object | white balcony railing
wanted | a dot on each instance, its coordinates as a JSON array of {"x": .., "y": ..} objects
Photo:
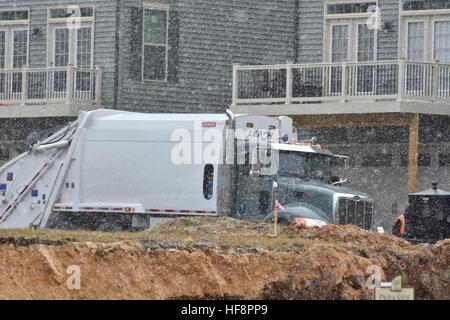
[
  {"x": 50, "y": 85},
  {"x": 320, "y": 83}
]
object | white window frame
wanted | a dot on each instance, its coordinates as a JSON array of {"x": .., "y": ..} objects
[
  {"x": 346, "y": 15},
  {"x": 12, "y": 45},
  {"x": 352, "y": 20},
  {"x": 425, "y": 38},
  {"x": 56, "y": 23},
  {"x": 375, "y": 41},
  {"x": 161, "y": 7},
  {"x": 433, "y": 35},
  {"x": 13, "y": 25},
  {"x": 330, "y": 40},
  {"x": 353, "y": 41},
  {"x": 427, "y": 16}
]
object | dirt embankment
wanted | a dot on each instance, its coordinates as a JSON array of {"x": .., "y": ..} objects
[{"x": 328, "y": 263}]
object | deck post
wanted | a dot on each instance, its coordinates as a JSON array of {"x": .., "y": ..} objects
[
  {"x": 70, "y": 82},
  {"x": 435, "y": 85},
  {"x": 24, "y": 85},
  {"x": 289, "y": 81},
  {"x": 401, "y": 78},
  {"x": 235, "y": 93},
  {"x": 344, "y": 82},
  {"x": 413, "y": 163}
]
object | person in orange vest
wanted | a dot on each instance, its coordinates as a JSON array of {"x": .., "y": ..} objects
[{"x": 400, "y": 226}]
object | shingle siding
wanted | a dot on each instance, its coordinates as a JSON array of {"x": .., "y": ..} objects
[
  {"x": 311, "y": 22},
  {"x": 213, "y": 35},
  {"x": 388, "y": 43}
]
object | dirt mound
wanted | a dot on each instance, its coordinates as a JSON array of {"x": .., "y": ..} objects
[
  {"x": 126, "y": 271},
  {"x": 346, "y": 234},
  {"x": 218, "y": 258}
]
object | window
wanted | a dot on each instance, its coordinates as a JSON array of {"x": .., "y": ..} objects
[
  {"x": 208, "y": 181},
  {"x": 346, "y": 8},
  {"x": 70, "y": 12},
  {"x": 84, "y": 47},
  {"x": 4, "y": 153},
  {"x": 415, "y": 39},
  {"x": 413, "y": 5},
  {"x": 339, "y": 43},
  {"x": 155, "y": 44},
  {"x": 377, "y": 160},
  {"x": 13, "y": 15},
  {"x": 349, "y": 39},
  {"x": 20, "y": 48},
  {"x": 442, "y": 41},
  {"x": 424, "y": 160},
  {"x": 2, "y": 49},
  {"x": 61, "y": 53},
  {"x": 425, "y": 36},
  {"x": 444, "y": 160},
  {"x": 366, "y": 43}
]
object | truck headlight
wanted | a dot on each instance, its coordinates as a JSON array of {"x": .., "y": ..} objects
[{"x": 310, "y": 223}]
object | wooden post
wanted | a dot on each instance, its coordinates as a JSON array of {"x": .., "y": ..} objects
[
  {"x": 413, "y": 166},
  {"x": 275, "y": 220}
]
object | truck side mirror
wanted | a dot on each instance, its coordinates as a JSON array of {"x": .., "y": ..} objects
[
  {"x": 255, "y": 171},
  {"x": 335, "y": 179},
  {"x": 394, "y": 209},
  {"x": 346, "y": 161}
]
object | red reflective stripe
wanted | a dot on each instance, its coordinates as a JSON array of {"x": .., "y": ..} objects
[
  {"x": 23, "y": 191},
  {"x": 170, "y": 210}
]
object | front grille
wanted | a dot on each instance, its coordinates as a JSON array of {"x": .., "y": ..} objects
[{"x": 356, "y": 212}]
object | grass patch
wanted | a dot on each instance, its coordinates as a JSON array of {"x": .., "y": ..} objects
[{"x": 223, "y": 232}]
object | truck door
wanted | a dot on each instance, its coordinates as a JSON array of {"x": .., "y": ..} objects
[{"x": 254, "y": 179}]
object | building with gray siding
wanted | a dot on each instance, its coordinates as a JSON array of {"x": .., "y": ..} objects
[
  {"x": 371, "y": 79},
  {"x": 81, "y": 55}
]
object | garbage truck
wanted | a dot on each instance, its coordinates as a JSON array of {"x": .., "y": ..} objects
[{"x": 116, "y": 170}]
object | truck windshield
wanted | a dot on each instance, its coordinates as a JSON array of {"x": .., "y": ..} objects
[{"x": 305, "y": 165}]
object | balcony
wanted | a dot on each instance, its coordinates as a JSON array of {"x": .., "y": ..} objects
[
  {"x": 49, "y": 92},
  {"x": 342, "y": 88}
]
